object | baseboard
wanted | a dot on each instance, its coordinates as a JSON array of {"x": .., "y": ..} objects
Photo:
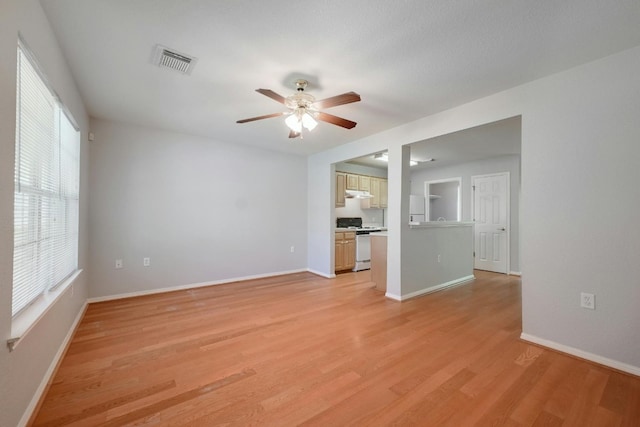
[
  {"x": 620, "y": 366},
  {"x": 436, "y": 288},
  {"x": 192, "y": 286},
  {"x": 393, "y": 296},
  {"x": 318, "y": 273},
  {"x": 53, "y": 367},
  {"x": 515, "y": 273}
]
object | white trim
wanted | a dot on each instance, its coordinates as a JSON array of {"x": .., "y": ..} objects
[
  {"x": 449, "y": 284},
  {"x": 393, "y": 296},
  {"x": 473, "y": 196},
  {"x": 24, "y": 321},
  {"x": 634, "y": 370},
  {"x": 26, "y": 416},
  {"x": 515, "y": 273},
  {"x": 318, "y": 273},
  {"x": 192, "y": 286}
]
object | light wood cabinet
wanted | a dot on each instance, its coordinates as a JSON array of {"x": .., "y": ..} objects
[
  {"x": 384, "y": 193},
  {"x": 364, "y": 183},
  {"x": 341, "y": 186},
  {"x": 352, "y": 181},
  {"x": 375, "y": 192},
  {"x": 379, "y": 188},
  {"x": 345, "y": 250}
]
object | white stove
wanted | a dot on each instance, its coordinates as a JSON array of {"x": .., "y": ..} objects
[{"x": 363, "y": 240}]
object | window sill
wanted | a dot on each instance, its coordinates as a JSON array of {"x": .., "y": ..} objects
[{"x": 25, "y": 321}]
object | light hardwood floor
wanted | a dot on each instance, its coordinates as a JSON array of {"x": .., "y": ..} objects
[{"x": 300, "y": 349}]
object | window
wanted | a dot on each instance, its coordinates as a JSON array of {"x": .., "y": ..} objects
[{"x": 46, "y": 188}]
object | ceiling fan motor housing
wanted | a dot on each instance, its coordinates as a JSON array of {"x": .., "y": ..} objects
[{"x": 299, "y": 100}]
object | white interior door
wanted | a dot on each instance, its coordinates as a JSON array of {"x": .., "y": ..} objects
[{"x": 491, "y": 217}]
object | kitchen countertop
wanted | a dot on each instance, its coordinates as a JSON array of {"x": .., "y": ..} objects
[{"x": 441, "y": 224}]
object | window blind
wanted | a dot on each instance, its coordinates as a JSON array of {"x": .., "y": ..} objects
[{"x": 46, "y": 189}]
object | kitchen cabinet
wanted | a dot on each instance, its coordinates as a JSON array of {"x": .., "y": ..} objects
[
  {"x": 384, "y": 192},
  {"x": 379, "y": 188},
  {"x": 352, "y": 181},
  {"x": 345, "y": 250},
  {"x": 341, "y": 186},
  {"x": 364, "y": 183},
  {"x": 375, "y": 192}
]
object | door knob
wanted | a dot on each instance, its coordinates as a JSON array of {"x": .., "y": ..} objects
[{"x": 502, "y": 229}]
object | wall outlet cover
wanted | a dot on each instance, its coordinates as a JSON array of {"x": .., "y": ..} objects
[{"x": 587, "y": 301}]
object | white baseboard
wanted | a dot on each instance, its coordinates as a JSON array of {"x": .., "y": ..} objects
[
  {"x": 51, "y": 370},
  {"x": 634, "y": 370},
  {"x": 435, "y": 288},
  {"x": 515, "y": 273},
  {"x": 318, "y": 273},
  {"x": 192, "y": 286},
  {"x": 393, "y": 296}
]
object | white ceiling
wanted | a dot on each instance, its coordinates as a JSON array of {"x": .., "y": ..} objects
[
  {"x": 407, "y": 59},
  {"x": 501, "y": 138}
]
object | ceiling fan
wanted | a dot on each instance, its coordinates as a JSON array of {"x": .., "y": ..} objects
[{"x": 304, "y": 109}]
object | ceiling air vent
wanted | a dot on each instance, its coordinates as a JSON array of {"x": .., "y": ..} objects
[{"x": 168, "y": 58}]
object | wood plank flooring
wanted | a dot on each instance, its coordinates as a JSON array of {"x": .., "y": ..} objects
[{"x": 303, "y": 350}]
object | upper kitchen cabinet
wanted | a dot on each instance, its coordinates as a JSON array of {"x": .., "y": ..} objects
[
  {"x": 352, "y": 182},
  {"x": 384, "y": 191},
  {"x": 341, "y": 186},
  {"x": 378, "y": 191},
  {"x": 364, "y": 183}
]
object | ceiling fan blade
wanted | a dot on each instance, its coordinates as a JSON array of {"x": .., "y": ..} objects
[
  {"x": 345, "y": 98},
  {"x": 268, "y": 116},
  {"x": 335, "y": 120},
  {"x": 293, "y": 134},
  {"x": 271, "y": 94}
]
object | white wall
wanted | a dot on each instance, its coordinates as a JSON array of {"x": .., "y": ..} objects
[
  {"x": 22, "y": 371},
  {"x": 361, "y": 169},
  {"x": 509, "y": 164},
  {"x": 202, "y": 210},
  {"x": 422, "y": 271},
  {"x": 580, "y": 133}
]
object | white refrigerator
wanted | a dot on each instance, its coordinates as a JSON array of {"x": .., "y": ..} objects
[{"x": 416, "y": 208}]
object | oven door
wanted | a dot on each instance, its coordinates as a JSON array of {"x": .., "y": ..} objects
[{"x": 363, "y": 252}]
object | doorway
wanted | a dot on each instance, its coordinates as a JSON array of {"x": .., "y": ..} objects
[{"x": 491, "y": 202}]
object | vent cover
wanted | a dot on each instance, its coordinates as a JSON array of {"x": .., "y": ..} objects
[{"x": 169, "y": 58}]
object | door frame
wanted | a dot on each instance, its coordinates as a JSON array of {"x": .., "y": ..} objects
[{"x": 473, "y": 214}]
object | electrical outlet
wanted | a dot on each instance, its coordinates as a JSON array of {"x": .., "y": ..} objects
[
  {"x": 146, "y": 262},
  {"x": 587, "y": 301},
  {"x": 439, "y": 257},
  {"x": 119, "y": 263},
  {"x": 293, "y": 249}
]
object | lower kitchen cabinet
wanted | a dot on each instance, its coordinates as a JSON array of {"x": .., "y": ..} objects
[{"x": 345, "y": 252}]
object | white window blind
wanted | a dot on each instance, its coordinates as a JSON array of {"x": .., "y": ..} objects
[{"x": 46, "y": 189}]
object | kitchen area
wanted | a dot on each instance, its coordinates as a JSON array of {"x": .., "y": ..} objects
[
  {"x": 437, "y": 240},
  {"x": 360, "y": 209},
  {"x": 439, "y": 245}
]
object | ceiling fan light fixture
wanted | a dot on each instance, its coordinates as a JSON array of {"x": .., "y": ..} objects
[
  {"x": 294, "y": 123},
  {"x": 300, "y": 118},
  {"x": 308, "y": 121}
]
